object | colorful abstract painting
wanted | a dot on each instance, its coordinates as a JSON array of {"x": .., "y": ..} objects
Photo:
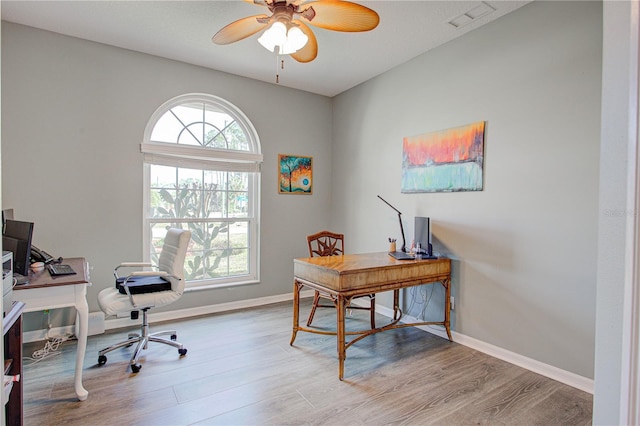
[
  {"x": 444, "y": 161},
  {"x": 294, "y": 174}
]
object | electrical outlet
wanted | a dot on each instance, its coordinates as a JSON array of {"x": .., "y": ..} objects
[{"x": 452, "y": 302}]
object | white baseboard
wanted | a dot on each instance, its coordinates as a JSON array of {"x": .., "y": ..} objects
[
  {"x": 41, "y": 335},
  {"x": 530, "y": 364},
  {"x": 207, "y": 310},
  {"x": 555, "y": 373},
  {"x": 124, "y": 322},
  {"x": 96, "y": 326}
]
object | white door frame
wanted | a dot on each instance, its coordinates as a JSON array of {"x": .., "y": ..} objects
[{"x": 630, "y": 367}]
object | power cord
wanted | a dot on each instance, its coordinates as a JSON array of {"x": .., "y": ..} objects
[
  {"x": 51, "y": 346},
  {"x": 420, "y": 297},
  {"x": 426, "y": 300}
]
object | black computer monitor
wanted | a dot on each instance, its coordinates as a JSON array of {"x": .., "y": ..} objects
[
  {"x": 422, "y": 235},
  {"x": 16, "y": 238}
]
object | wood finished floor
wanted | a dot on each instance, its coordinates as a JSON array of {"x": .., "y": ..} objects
[{"x": 240, "y": 370}]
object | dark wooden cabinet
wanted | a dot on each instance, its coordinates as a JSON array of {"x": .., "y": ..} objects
[{"x": 12, "y": 326}]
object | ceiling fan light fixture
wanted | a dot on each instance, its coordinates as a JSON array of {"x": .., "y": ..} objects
[
  {"x": 296, "y": 40},
  {"x": 288, "y": 41},
  {"x": 275, "y": 35}
]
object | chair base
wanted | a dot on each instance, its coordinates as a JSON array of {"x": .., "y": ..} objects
[{"x": 143, "y": 340}]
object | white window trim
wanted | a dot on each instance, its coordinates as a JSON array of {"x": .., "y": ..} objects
[
  {"x": 170, "y": 154},
  {"x": 205, "y": 154},
  {"x": 226, "y": 106}
]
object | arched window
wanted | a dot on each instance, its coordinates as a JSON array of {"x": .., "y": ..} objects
[{"x": 202, "y": 172}]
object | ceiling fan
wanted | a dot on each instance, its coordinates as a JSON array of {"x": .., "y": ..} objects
[{"x": 286, "y": 30}]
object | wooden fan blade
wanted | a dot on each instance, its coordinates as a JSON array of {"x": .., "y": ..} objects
[
  {"x": 240, "y": 29},
  {"x": 341, "y": 16},
  {"x": 310, "y": 50}
]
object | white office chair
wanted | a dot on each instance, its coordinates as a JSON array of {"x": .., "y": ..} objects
[{"x": 142, "y": 290}]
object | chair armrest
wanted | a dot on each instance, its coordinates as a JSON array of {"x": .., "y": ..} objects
[{"x": 132, "y": 265}]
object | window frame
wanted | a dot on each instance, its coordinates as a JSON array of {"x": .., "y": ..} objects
[{"x": 207, "y": 158}]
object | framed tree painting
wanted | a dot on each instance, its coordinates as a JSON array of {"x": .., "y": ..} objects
[
  {"x": 295, "y": 174},
  {"x": 444, "y": 161}
]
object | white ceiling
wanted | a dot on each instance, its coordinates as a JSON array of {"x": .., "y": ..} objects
[{"x": 182, "y": 30}]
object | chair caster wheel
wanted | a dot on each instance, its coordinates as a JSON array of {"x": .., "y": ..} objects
[
  {"x": 174, "y": 337},
  {"x": 102, "y": 360},
  {"x": 182, "y": 352},
  {"x": 135, "y": 368}
]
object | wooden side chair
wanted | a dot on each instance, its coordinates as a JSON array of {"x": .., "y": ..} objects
[{"x": 326, "y": 243}]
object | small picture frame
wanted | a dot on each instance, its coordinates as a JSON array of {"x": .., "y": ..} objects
[{"x": 295, "y": 174}]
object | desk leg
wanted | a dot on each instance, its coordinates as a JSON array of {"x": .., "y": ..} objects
[
  {"x": 396, "y": 304},
  {"x": 447, "y": 307},
  {"x": 296, "y": 310},
  {"x": 82, "y": 309},
  {"x": 342, "y": 352}
]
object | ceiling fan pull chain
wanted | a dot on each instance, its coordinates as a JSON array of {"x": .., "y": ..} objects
[
  {"x": 281, "y": 65},
  {"x": 277, "y": 75}
]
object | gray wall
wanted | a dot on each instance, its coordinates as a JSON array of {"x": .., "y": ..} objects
[
  {"x": 525, "y": 247},
  {"x": 73, "y": 118}
]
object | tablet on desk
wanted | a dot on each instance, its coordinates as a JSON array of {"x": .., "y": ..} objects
[{"x": 400, "y": 255}]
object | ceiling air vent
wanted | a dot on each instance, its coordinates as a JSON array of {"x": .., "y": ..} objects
[{"x": 471, "y": 15}]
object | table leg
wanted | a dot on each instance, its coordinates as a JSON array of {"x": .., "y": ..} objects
[
  {"x": 82, "y": 309},
  {"x": 296, "y": 310},
  {"x": 396, "y": 303},
  {"x": 342, "y": 352},
  {"x": 447, "y": 307}
]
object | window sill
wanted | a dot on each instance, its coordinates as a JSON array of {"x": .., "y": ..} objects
[{"x": 212, "y": 286}]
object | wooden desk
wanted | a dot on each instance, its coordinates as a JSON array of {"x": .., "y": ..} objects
[
  {"x": 46, "y": 292},
  {"x": 344, "y": 277}
]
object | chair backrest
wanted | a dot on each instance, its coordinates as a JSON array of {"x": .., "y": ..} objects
[
  {"x": 173, "y": 255},
  {"x": 325, "y": 243}
]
